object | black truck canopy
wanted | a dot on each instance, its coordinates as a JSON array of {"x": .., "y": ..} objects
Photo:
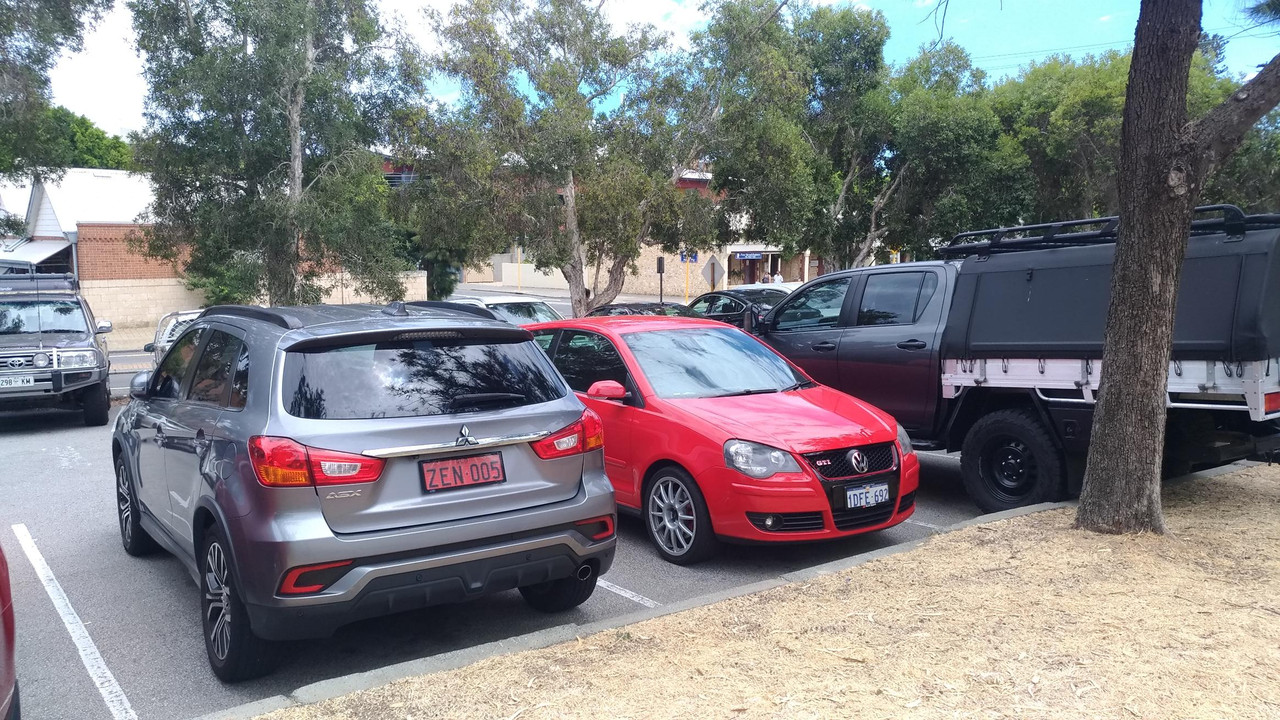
[{"x": 1046, "y": 295}]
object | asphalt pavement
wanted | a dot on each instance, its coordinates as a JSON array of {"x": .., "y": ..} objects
[{"x": 140, "y": 616}]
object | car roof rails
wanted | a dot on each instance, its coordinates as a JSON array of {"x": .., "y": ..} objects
[
  {"x": 274, "y": 316},
  {"x": 454, "y": 307},
  {"x": 1092, "y": 231},
  {"x": 32, "y": 282}
]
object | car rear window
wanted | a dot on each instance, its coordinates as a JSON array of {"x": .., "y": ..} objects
[
  {"x": 416, "y": 378},
  {"x": 523, "y": 313}
]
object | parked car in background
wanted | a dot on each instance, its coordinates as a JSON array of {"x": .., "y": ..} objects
[
  {"x": 729, "y": 305},
  {"x": 515, "y": 309},
  {"x": 319, "y": 465},
  {"x": 643, "y": 308},
  {"x": 168, "y": 330},
  {"x": 712, "y": 434},
  {"x": 786, "y": 287},
  {"x": 53, "y": 353},
  {"x": 9, "y": 706}
]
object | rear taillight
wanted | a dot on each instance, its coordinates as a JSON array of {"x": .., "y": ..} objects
[
  {"x": 282, "y": 462},
  {"x": 600, "y": 528},
  {"x": 584, "y": 435},
  {"x": 312, "y": 578},
  {"x": 1272, "y": 401}
]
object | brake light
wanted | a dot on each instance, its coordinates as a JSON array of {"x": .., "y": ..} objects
[
  {"x": 584, "y": 435},
  {"x": 282, "y": 462},
  {"x": 316, "y": 577},
  {"x": 599, "y": 528},
  {"x": 1272, "y": 402}
]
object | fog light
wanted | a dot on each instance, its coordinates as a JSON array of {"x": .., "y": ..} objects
[
  {"x": 40, "y": 360},
  {"x": 772, "y": 522}
]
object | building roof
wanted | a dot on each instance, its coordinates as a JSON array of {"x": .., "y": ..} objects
[
  {"x": 14, "y": 198},
  {"x": 85, "y": 195}
]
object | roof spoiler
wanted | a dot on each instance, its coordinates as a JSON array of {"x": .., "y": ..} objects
[{"x": 454, "y": 307}]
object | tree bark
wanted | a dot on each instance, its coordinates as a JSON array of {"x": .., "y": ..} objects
[
  {"x": 1164, "y": 162},
  {"x": 574, "y": 270},
  {"x": 288, "y": 288}
]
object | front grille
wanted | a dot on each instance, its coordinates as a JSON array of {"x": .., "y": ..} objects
[
  {"x": 847, "y": 518},
  {"x": 907, "y": 501},
  {"x": 26, "y": 358},
  {"x": 862, "y": 517},
  {"x": 790, "y": 522},
  {"x": 834, "y": 464}
]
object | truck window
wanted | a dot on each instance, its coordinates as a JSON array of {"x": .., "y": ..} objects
[
  {"x": 892, "y": 298},
  {"x": 815, "y": 306}
]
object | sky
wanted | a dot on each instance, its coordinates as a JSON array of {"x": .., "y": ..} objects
[{"x": 104, "y": 81}]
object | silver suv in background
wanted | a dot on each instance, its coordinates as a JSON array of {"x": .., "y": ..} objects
[
  {"x": 52, "y": 351},
  {"x": 318, "y": 465}
]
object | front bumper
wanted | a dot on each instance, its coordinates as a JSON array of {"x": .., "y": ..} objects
[
  {"x": 49, "y": 386},
  {"x": 739, "y": 504}
]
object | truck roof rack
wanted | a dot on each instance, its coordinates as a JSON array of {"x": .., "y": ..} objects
[
  {"x": 32, "y": 282},
  {"x": 1093, "y": 231},
  {"x": 271, "y": 315},
  {"x": 454, "y": 307}
]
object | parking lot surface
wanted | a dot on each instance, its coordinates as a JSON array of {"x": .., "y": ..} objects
[{"x": 140, "y": 616}]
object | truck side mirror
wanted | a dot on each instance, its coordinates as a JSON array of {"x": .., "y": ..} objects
[
  {"x": 753, "y": 318},
  {"x": 104, "y": 327},
  {"x": 149, "y": 347}
]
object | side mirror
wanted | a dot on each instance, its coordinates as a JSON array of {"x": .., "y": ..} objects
[
  {"x": 138, "y": 385},
  {"x": 607, "y": 390},
  {"x": 104, "y": 327},
  {"x": 149, "y": 347},
  {"x": 753, "y": 318}
]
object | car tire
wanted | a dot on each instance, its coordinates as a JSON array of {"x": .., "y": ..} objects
[
  {"x": 235, "y": 653},
  {"x": 676, "y": 517},
  {"x": 15, "y": 707},
  {"x": 556, "y": 596},
  {"x": 133, "y": 536},
  {"x": 97, "y": 405},
  {"x": 1008, "y": 460}
]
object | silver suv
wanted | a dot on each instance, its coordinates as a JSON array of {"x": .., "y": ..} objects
[{"x": 314, "y": 466}]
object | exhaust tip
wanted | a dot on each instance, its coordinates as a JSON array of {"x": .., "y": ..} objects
[{"x": 585, "y": 571}]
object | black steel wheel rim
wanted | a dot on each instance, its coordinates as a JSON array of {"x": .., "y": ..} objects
[{"x": 1008, "y": 468}]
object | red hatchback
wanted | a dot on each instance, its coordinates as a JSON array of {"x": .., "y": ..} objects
[
  {"x": 711, "y": 434},
  {"x": 8, "y": 680}
]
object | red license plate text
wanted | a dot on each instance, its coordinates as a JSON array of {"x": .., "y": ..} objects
[{"x": 459, "y": 472}]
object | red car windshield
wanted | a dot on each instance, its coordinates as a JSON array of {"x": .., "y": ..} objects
[{"x": 709, "y": 362}]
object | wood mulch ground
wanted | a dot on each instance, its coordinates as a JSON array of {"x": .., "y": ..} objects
[{"x": 1023, "y": 618}]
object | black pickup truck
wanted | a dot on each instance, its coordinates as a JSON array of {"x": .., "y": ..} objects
[{"x": 996, "y": 351}]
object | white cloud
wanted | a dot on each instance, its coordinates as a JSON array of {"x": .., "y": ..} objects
[
  {"x": 1104, "y": 18},
  {"x": 104, "y": 81}
]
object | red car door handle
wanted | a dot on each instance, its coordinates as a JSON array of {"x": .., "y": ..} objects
[{"x": 824, "y": 346}]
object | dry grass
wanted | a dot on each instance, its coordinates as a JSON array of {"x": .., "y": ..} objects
[{"x": 1024, "y": 618}]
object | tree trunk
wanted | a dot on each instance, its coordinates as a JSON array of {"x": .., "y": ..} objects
[
  {"x": 288, "y": 287},
  {"x": 1157, "y": 190},
  {"x": 574, "y": 270}
]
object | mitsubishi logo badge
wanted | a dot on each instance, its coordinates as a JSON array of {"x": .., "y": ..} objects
[
  {"x": 464, "y": 438},
  {"x": 858, "y": 461}
]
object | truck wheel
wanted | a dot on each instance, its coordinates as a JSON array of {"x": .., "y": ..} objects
[
  {"x": 97, "y": 405},
  {"x": 1008, "y": 460}
]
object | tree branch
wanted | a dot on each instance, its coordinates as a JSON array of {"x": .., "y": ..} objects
[{"x": 1216, "y": 135}]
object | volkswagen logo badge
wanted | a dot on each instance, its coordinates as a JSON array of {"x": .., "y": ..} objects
[
  {"x": 858, "y": 461},
  {"x": 17, "y": 362},
  {"x": 464, "y": 438}
]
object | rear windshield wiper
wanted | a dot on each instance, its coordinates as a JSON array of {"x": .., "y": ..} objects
[{"x": 472, "y": 399}]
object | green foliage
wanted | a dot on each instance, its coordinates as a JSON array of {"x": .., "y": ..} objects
[
  {"x": 232, "y": 87},
  {"x": 32, "y": 35},
  {"x": 73, "y": 140}
]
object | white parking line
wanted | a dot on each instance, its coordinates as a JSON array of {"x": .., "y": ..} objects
[
  {"x": 110, "y": 690},
  {"x": 628, "y": 594},
  {"x": 931, "y": 526}
]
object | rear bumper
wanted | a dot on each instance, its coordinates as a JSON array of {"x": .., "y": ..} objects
[
  {"x": 802, "y": 504},
  {"x": 382, "y": 588}
]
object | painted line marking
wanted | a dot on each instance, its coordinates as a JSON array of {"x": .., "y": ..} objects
[
  {"x": 931, "y": 526},
  {"x": 628, "y": 594},
  {"x": 110, "y": 690}
]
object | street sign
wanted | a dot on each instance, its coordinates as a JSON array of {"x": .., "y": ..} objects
[
  {"x": 689, "y": 257},
  {"x": 713, "y": 272}
]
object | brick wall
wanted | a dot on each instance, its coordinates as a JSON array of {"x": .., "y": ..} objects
[{"x": 103, "y": 253}]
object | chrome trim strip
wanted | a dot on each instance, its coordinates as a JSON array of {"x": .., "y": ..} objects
[{"x": 451, "y": 446}]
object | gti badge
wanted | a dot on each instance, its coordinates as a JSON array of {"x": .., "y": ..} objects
[
  {"x": 464, "y": 438},
  {"x": 858, "y": 461}
]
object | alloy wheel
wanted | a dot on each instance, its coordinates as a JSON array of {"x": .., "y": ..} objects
[
  {"x": 124, "y": 504},
  {"x": 671, "y": 515},
  {"x": 217, "y": 597}
]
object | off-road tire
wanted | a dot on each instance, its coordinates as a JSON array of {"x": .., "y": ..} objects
[
  {"x": 704, "y": 543},
  {"x": 239, "y": 654},
  {"x": 133, "y": 536},
  {"x": 556, "y": 596},
  {"x": 97, "y": 405},
  {"x": 1009, "y": 460}
]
